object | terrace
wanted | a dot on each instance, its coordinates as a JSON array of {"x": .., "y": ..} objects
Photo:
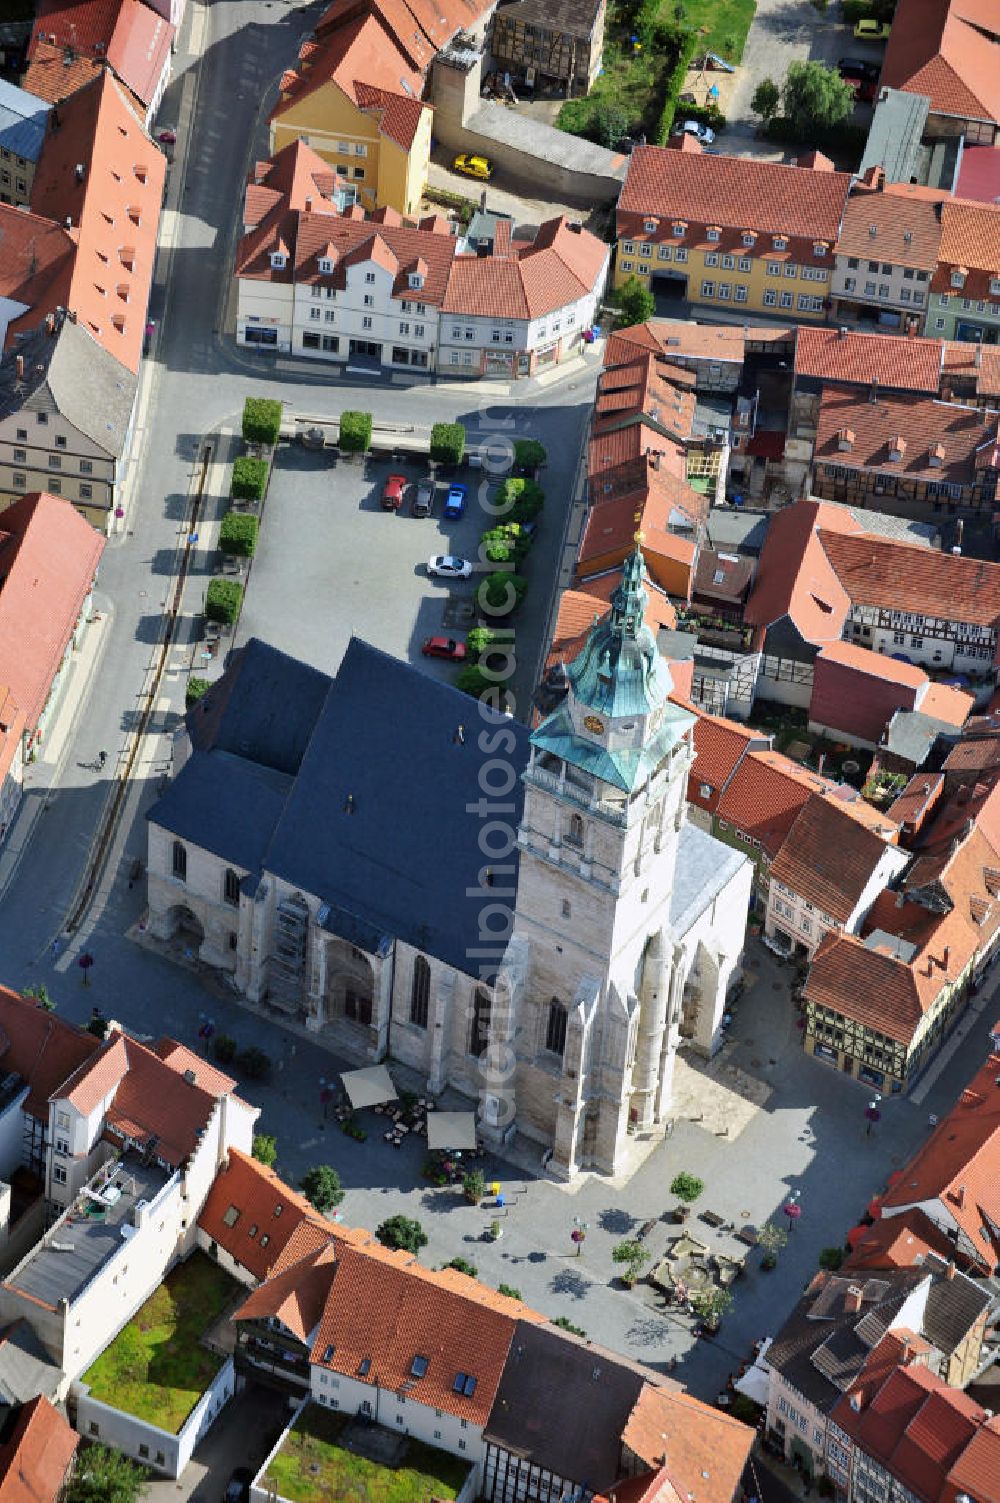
[
  {"x": 103, "y": 1215},
  {"x": 158, "y": 1367},
  {"x": 332, "y": 1456}
]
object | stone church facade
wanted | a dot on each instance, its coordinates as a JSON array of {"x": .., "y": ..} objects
[{"x": 624, "y": 922}]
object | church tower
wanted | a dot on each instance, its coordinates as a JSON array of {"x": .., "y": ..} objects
[{"x": 588, "y": 975}]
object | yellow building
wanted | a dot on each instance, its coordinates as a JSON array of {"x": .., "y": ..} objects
[
  {"x": 729, "y": 231},
  {"x": 355, "y": 99}
]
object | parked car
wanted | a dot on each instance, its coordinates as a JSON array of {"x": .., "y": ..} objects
[
  {"x": 871, "y": 30},
  {"x": 704, "y": 133},
  {"x": 392, "y": 492},
  {"x": 423, "y": 498},
  {"x": 455, "y": 504},
  {"x": 474, "y": 165},
  {"x": 858, "y": 67},
  {"x": 167, "y": 137},
  {"x": 444, "y": 647},
  {"x": 238, "y": 1486},
  {"x": 446, "y": 566}
]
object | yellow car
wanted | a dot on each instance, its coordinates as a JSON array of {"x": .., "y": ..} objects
[
  {"x": 474, "y": 166},
  {"x": 873, "y": 31}
]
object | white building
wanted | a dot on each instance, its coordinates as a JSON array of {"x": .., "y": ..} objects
[
  {"x": 318, "y": 277},
  {"x": 553, "y": 980}
]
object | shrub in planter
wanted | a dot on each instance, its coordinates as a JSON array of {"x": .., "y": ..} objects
[
  {"x": 224, "y": 1048},
  {"x": 223, "y": 601},
  {"x": 632, "y": 1255},
  {"x": 518, "y": 500},
  {"x": 478, "y": 641},
  {"x": 529, "y": 454},
  {"x": 196, "y": 689},
  {"x": 686, "y": 1186},
  {"x": 261, "y": 420},
  {"x": 254, "y": 1063},
  {"x": 447, "y": 443},
  {"x": 355, "y": 432},
  {"x": 505, "y": 544},
  {"x": 238, "y": 534},
  {"x": 462, "y": 1265},
  {"x": 509, "y": 1291},
  {"x": 474, "y": 1186},
  {"x": 249, "y": 478},
  {"x": 503, "y": 592},
  {"x": 567, "y": 1325}
]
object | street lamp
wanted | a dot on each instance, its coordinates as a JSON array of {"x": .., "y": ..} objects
[
  {"x": 872, "y": 1113},
  {"x": 579, "y": 1233},
  {"x": 792, "y": 1209}
]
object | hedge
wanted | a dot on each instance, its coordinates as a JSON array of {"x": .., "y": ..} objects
[
  {"x": 249, "y": 478},
  {"x": 261, "y": 420},
  {"x": 447, "y": 443},
  {"x": 355, "y": 432},
  {"x": 223, "y": 601},
  {"x": 196, "y": 689},
  {"x": 238, "y": 534},
  {"x": 686, "y": 42}
]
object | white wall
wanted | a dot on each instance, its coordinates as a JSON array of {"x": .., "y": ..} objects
[
  {"x": 402, "y": 1412},
  {"x": 148, "y": 1443},
  {"x": 12, "y": 1135},
  {"x": 895, "y": 281}
]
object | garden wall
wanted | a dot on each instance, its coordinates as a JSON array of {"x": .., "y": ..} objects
[{"x": 158, "y": 1449}]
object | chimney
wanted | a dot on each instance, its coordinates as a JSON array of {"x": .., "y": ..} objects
[
  {"x": 904, "y": 1352},
  {"x": 853, "y": 1299},
  {"x": 845, "y": 438},
  {"x": 81, "y": 172},
  {"x": 69, "y": 221},
  {"x": 949, "y": 1272},
  {"x": 19, "y": 367},
  {"x": 842, "y": 332},
  {"x": 50, "y": 323},
  {"x": 944, "y": 957},
  {"x": 821, "y": 763},
  {"x": 959, "y": 530},
  {"x": 978, "y": 357},
  {"x": 960, "y": 1197}
]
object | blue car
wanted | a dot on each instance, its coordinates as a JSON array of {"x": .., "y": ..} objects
[{"x": 455, "y": 504}]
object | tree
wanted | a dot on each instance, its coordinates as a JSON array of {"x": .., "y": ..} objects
[
  {"x": 261, "y": 420},
  {"x": 105, "y": 1476},
  {"x": 265, "y": 1149},
  {"x": 355, "y": 432},
  {"x": 472, "y": 680},
  {"x": 529, "y": 454},
  {"x": 474, "y": 1186},
  {"x": 633, "y": 1255},
  {"x": 249, "y": 478},
  {"x": 711, "y": 1305},
  {"x": 771, "y": 1239},
  {"x": 447, "y": 443},
  {"x": 254, "y": 1063},
  {"x": 195, "y": 689},
  {"x": 766, "y": 98},
  {"x": 238, "y": 534},
  {"x": 478, "y": 641},
  {"x": 321, "y": 1184},
  {"x": 224, "y": 1048},
  {"x": 503, "y": 592},
  {"x": 402, "y": 1232},
  {"x": 686, "y": 1186},
  {"x": 39, "y": 993},
  {"x": 223, "y": 601},
  {"x": 608, "y": 123},
  {"x": 634, "y": 302},
  {"x": 831, "y": 1258},
  {"x": 815, "y": 97}
]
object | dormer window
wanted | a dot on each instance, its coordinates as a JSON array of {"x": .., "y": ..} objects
[
  {"x": 649, "y": 225},
  {"x": 958, "y": 276},
  {"x": 713, "y": 233},
  {"x": 780, "y": 242},
  {"x": 278, "y": 260},
  {"x": 994, "y": 286},
  {"x": 416, "y": 280},
  {"x": 897, "y": 448},
  {"x": 325, "y": 265},
  {"x": 679, "y": 227},
  {"x": 749, "y": 238},
  {"x": 935, "y": 455},
  {"x": 820, "y": 247}
]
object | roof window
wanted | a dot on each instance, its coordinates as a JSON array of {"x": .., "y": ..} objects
[
  {"x": 325, "y": 265},
  {"x": 253, "y": 1230},
  {"x": 364, "y": 1367},
  {"x": 328, "y": 1351},
  {"x": 416, "y": 280},
  {"x": 278, "y": 1209},
  {"x": 780, "y": 242},
  {"x": 264, "y": 1240},
  {"x": 464, "y": 1384},
  {"x": 679, "y": 227},
  {"x": 419, "y": 1366},
  {"x": 231, "y": 1216},
  {"x": 278, "y": 259}
]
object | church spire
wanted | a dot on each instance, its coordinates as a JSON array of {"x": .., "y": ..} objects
[{"x": 630, "y": 599}]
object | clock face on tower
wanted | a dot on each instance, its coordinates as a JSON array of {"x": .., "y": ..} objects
[{"x": 595, "y": 724}]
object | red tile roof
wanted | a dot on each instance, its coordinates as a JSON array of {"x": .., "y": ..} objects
[
  {"x": 907, "y": 229},
  {"x": 899, "y": 1242},
  {"x": 856, "y": 692},
  {"x": 115, "y": 210},
  {"x": 949, "y": 50},
  {"x": 36, "y": 1456},
  {"x": 862, "y": 359},
  {"x": 41, "y": 1048},
  {"x": 719, "y": 747},
  {"x": 357, "y": 52},
  {"x": 422, "y": 26},
  {"x": 48, "y": 559},
  {"x": 876, "y": 664},
  {"x": 906, "y": 577},
  {"x": 50, "y": 76},
  {"x": 258, "y": 1204},
  {"x": 958, "y": 1171},
  {"x": 732, "y": 192},
  {"x": 970, "y": 239},
  {"x": 387, "y": 1308},
  {"x": 765, "y": 795},
  {"x": 942, "y": 441},
  {"x": 37, "y": 260},
  {"x": 828, "y": 857},
  {"x": 399, "y": 115},
  {"x": 131, "y": 36},
  {"x": 976, "y": 1472},
  {"x": 297, "y": 1296},
  {"x": 151, "y": 1100},
  {"x": 917, "y": 799},
  {"x": 944, "y": 702},
  {"x": 12, "y": 727},
  {"x": 579, "y": 608},
  {"x": 183, "y": 1060},
  {"x": 558, "y": 268},
  {"x": 703, "y": 1450},
  {"x": 795, "y": 577}
]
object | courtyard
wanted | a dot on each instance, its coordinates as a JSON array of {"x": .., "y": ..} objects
[
  {"x": 330, "y": 1457},
  {"x": 156, "y": 1369}
]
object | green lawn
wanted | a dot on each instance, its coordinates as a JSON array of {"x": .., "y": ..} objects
[
  {"x": 156, "y": 1368},
  {"x": 313, "y": 1466},
  {"x": 725, "y": 22}
]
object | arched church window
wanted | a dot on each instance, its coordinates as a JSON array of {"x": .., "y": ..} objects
[
  {"x": 555, "y": 1033},
  {"x": 479, "y": 1042},
  {"x": 574, "y": 835},
  {"x": 180, "y": 861},
  {"x": 421, "y": 992}
]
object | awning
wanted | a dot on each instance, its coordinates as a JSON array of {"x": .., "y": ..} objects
[
  {"x": 456, "y": 1130},
  {"x": 755, "y": 1381},
  {"x": 368, "y": 1087}
]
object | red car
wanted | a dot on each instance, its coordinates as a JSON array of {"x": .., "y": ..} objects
[
  {"x": 444, "y": 647},
  {"x": 392, "y": 492}
]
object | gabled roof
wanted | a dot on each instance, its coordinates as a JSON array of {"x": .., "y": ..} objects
[
  {"x": 765, "y": 795},
  {"x": 959, "y": 1168},
  {"x": 357, "y": 52},
  {"x": 421, "y": 27},
  {"x": 905, "y": 577},
  {"x": 559, "y": 267},
  {"x": 950, "y": 51},
  {"x": 152, "y": 1100},
  {"x": 703, "y": 1450},
  {"x": 874, "y": 664},
  {"x": 37, "y": 260},
  {"x": 386, "y": 1308},
  {"x": 62, "y": 368},
  {"x": 249, "y": 1201},
  {"x": 943, "y": 442},
  {"x": 970, "y": 236},
  {"x": 132, "y": 38},
  {"x": 901, "y": 1241},
  {"x": 848, "y": 356},
  {"x": 296, "y": 1296},
  {"x": 41, "y": 1048},
  {"x": 36, "y": 1456},
  {"x": 976, "y": 1472},
  {"x": 795, "y": 577},
  {"x": 907, "y": 227},
  {"x": 828, "y": 857},
  {"x": 767, "y": 197},
  {"x": 48, "y": 559},
  {"x": 719, "y": 747}
]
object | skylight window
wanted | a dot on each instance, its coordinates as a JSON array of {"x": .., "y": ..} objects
[
  {"x": 364, "y": 1367},
  {"x": 328, "y": 1351},
  {"x": 464, "y": 1384},
  {"x": 419, "y": 1366},
  {"x": 232, "y": 1216}
]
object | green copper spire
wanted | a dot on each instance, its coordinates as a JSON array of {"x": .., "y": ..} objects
[{"x": 619, "y": 670}]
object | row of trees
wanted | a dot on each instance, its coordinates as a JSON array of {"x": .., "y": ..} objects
[{"x": 813, "y": 99}]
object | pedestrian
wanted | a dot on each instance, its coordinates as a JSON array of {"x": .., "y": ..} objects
[
  {"x": 102, "y": 757},
  {"x": 55, "y": 946}
]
